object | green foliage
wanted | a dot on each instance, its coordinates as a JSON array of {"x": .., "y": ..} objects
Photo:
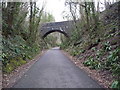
[
  {"x": 99, "y": 53},
  {"x": 14, "y": 63},
  {"x": 93, "y": 49},
  {"x": 16, "y": 51},
  {"x": 13, "y": 47},
  {"x": 113, "y": 58},
  {"x": 116, "y": 84},
  {"x": 64, "y": 44},
  {"x": 8, "y": 68},
  {"x": 96, "y": 34},
  {"x": 21, "y": 40},
  {"x": 74, "y": 52},
  {"x": 93, "y": 64},
  {"x": 107, "y": 46},
  {"x": 51, "y": 40},
  {"x": 113, "y": 62}
]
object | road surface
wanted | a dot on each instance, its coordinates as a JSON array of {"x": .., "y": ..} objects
[{"x": 55, "y": 70}]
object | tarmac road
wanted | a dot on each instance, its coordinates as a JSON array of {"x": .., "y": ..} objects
[{"x": 55, "y": 70}]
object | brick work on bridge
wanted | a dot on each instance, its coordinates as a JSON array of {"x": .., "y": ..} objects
[{"x": 64, "y": 27}]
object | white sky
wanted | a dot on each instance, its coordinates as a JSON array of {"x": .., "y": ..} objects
[{"x": 55, "y": 7}]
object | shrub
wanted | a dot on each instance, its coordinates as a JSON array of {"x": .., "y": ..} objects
[
  {"x": 113, "y": 64},
  {"x": 16, "y": 51},
  {"x": 93, "y": 64},
  {"x": 8, "y": 68},
  {"x": 107, "y": 46},
  {"x": 113, "y": 58},
  {"x": 116, "y": 84}
]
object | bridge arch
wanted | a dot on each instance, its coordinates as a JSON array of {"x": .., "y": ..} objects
[
  {"x": 56, "y": 30},
  {"x": 64, "y": 27}
]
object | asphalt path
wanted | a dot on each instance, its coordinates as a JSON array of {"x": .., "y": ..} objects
[{"x": 55, "y": 70}]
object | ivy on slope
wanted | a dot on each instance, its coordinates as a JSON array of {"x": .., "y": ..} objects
[
  {"x": 102, "y": 41},
  {"x": 16, "y": 52}
]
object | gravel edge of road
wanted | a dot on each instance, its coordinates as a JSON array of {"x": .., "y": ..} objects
[
  {"x": 8, "y": 80},
  {"x": 94, "y": 74}
]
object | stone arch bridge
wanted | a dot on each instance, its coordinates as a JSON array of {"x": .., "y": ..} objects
[{"x": 64, "y": 27}]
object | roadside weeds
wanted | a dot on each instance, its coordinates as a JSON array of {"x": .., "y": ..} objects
[
  {"x": 9, "y": 80},
  {"x": 102, "y": 77}
]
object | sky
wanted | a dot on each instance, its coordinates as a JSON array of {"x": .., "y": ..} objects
[{"x": 55, "y": 7}]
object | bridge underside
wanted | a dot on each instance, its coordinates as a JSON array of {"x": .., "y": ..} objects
[{"x": 47, "y": 33}]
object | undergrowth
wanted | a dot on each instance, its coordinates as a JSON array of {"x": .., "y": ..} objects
[
  {"x": 17, "y": 52},
  {"x": 107, "y": 52}
]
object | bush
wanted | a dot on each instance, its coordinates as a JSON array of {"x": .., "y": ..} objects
[
  {"x": 106, "y": 46},
  {"x": 93, "y": 64},
  {"x": 113, "y": 64},
  {"x": 16, "y": 51},
  {"x": 8, "y": 68},
  {"x": 113, "y": 59},
  {"x": 14, "y": 63},
  {"x": 116, "y": 84}
]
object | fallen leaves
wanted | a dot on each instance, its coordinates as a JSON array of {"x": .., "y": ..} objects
[{"x": 104, "y": 78}]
